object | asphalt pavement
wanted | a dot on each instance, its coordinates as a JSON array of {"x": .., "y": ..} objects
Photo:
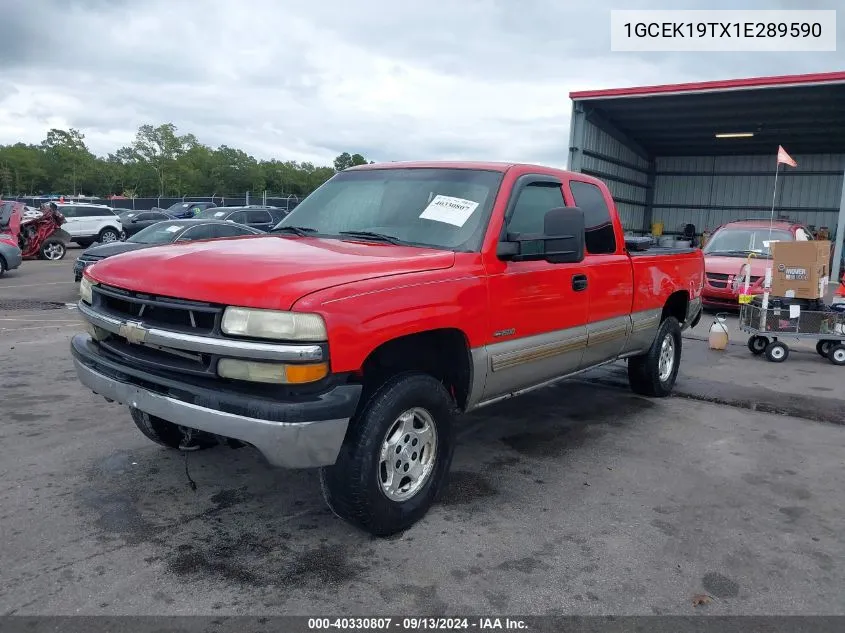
[{"x": 577, "y": 499}]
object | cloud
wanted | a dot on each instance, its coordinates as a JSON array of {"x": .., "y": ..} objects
[{"x": 484, "y": 79}]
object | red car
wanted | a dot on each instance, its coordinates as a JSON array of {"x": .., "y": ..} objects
[
  {"x": 736, "y": 246},
  {"x": 390, "y": 300}
]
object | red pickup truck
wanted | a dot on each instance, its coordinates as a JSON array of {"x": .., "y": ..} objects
[{"x": 393, "y": 298}]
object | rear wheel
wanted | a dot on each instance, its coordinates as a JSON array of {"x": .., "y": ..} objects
[
  {"x": 2, "y": 266},
  {"x": 108, "y": 235},
  {"x": 170, "y": 435},
  {"x": 777, "y": 352},
  {"x": 52, "y": 250},
  {"x": 654, "y": 373},
  {"x": 395, "y": 458},
  {"x": 823, "y": 348},
  {"x": 757, "y": 344},
  {"x": 836, "y": 355}
]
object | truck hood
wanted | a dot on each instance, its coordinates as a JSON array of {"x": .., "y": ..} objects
[{"x": 270, "y": 272}]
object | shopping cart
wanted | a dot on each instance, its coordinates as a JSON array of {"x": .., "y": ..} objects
[{"x": 767, "y": 327}]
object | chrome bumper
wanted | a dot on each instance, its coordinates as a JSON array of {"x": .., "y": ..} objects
[{"x": 283, "y": 444}]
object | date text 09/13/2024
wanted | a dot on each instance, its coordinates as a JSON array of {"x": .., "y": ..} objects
[{"x": 416, "y": 624}]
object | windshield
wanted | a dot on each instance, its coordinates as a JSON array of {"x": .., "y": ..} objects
[
  {"x": 214, "y": 213},
  {"x": 441, "y": 208},
  {"x": 180, "y": 206},
  {"x": 742, "y": 241},
  {"x": 159, "y": 233}
]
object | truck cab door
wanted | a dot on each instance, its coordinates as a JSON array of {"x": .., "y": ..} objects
[
  {"x": 538, "y": 310},
  {"x": 609, "y": 273}
]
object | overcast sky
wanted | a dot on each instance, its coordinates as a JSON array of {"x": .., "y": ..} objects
[{"x": 300, "y": 80}]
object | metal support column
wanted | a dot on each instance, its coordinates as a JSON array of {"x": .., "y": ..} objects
[
  {"x": 576, "y": 137},
  {"x": 648, "y": 212},
  {"x": 840, "y": 237}
]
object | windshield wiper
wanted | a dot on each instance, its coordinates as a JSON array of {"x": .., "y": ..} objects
[
  {"x": 381, "y": 237},
  {"x": 301, "y": 231}
]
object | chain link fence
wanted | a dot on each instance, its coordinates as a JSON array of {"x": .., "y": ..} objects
[{"x": 264, "y": 198}]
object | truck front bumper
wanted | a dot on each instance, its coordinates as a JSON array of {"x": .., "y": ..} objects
[{"x": 303, "y": 433}]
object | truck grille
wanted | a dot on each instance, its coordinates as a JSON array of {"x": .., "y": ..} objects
[
  {"x": 153, "y": 311},
  {"x": 721, "y": 280}
]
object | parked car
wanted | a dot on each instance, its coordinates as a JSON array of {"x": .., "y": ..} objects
[
  {"x": 10, "y": 222},
  {"x": 135, "y": 221},
  {"x": 89, "y": 223},
  {"x": 258, "y": 217},
  {"x": 166, "y": 232},
  {"x": 351, "y": 336},
  {"x": 186, "y": 209},
  {"x": 739, "y": 247}
]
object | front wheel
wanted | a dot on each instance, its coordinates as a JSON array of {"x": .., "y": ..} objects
[
  {"x": 52, "y": 250},
  {"x": 654, "y": 373},
  {"x": 395, "y": 458},
  {"x": 168, "y": 434},
  {"x": 777, "y": 352},
  {"x": 757, "y": 344},
  {"x": 823, "y": 347}
]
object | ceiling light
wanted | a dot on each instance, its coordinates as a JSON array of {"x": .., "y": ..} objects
[{"x": 735, "y": 135}]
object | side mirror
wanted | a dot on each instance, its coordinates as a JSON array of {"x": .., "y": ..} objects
[
  {"x": 561, "y": 242},
  {"x": 133, "y": 221}
]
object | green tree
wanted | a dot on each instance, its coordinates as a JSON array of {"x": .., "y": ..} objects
[
  {"x": 160, "y": 148},
  {"x": 159, "y": 162}
]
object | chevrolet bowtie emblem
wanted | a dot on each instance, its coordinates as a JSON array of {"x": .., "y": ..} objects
[{"x": 133, "y": 332}]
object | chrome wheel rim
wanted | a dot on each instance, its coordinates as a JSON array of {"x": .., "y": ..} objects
[
  {"x": 666, "y": 361},
  {"x": 839, "y": 356},
  {"x": 54, "y": 251},
  {"x": 107, "y": 237},
  {"x": 777, "y": 352},
  {"x": 408, "y": 454}
]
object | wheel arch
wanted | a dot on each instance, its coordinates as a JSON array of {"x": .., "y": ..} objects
[{"x": 440, "y": 352}]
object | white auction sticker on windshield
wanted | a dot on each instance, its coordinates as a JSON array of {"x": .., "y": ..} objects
[
  {"x": 455, "y": 211},
  {"x": 219, "y": 214},
  {"x": 173, "y": 229}
]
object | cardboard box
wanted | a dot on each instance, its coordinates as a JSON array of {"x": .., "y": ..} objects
[{"x": 800, "y": 269}]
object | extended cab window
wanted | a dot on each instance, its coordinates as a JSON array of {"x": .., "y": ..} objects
[
  {"x": 532, "y": 204},
  {"x": 600, "y": 236},
  {"x": 436, "y": 207}
]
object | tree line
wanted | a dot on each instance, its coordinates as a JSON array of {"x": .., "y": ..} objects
[{"x": 159, "y": 162}]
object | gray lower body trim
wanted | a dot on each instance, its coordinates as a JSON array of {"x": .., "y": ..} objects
[
  {"x": 512, "y": 367},
  {"x": 283, "y": 444},
  {"x": 693, "y": 308}
]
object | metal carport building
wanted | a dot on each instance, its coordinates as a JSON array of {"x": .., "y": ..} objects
[{"x": 663, "y": 153}]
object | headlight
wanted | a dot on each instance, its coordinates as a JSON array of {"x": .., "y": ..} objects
[
  {"x": 86, "y": 290},
  {"x": 272, "y": 324}
]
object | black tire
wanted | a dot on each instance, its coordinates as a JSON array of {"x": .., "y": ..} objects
[
  {"x": 823, "y": 347},
  {"x": 777, "y": 352},
  {"x": 644, "y": 374},
  {"x": 167, "y": 434},
  {"x": 836, "y": 355},
  {"x": 757, "y": 344},
  {"x": 53, "y": 250},
  {"x": 108, "y": 235},
  {"x": 3, "y": 266},
  {"x": 352, "y": 487}
]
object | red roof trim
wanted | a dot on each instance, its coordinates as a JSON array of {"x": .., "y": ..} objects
[{"x": 727, "y": 84}]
